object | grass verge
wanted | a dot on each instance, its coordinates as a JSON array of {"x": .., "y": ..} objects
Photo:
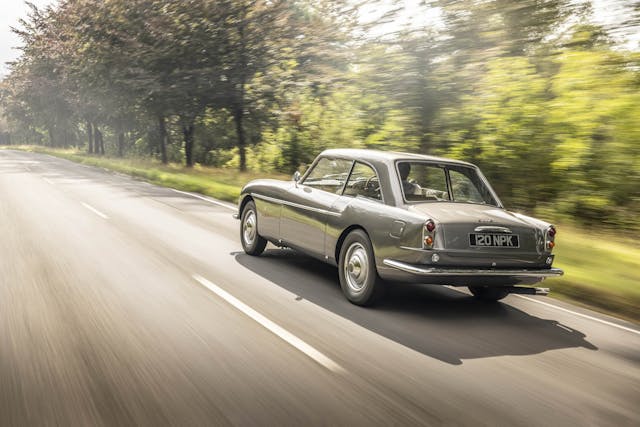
[{"x": 602, "y": 271}]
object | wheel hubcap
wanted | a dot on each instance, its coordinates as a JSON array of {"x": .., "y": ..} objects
[
  {"x": 249, "y": 228},
  {"x": 356, "y": 267}
]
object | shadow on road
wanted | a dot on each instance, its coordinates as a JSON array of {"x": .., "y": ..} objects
[{"x": 433, "y": 320}]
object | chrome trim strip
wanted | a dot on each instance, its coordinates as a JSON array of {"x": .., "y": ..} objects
[
  {"x": 293, "y": 205},
  {"x": 492, "y": 229},
  {"x": 438, "y": 271},
  {"x": 410, "y": 248}
]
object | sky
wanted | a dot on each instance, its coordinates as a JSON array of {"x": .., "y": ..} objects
[
  {"x": 11, "y": 12},
  {"x": 605, "y": 11}
]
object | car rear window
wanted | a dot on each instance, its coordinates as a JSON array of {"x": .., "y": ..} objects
[{"x": 423, "y": 182}]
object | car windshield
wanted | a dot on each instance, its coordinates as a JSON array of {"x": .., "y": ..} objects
[{"x": 423, "y": 182}]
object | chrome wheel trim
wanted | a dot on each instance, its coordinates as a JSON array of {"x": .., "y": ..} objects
[
  {"x": 249, "y": 231},
  {"x": 356, "y": 267}
]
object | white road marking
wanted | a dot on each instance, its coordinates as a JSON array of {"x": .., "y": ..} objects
[
  {"x": 48, "y": 181},
  {"x": 95, "y": 211},
  {"x": 215, "y": 202},
  {"x": 615, "y": 325},
  {"x": 271, "y": 326},
  {"x": 26, "y": 162}
]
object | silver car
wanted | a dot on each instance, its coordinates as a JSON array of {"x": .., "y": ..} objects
[{"x": 386, "y": 217}]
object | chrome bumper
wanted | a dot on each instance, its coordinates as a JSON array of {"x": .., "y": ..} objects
[{"x": 438, "y": 271}]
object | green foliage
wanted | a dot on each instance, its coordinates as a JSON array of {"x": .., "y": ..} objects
[
  {"x": 594, "y": 118},
  {"x": 502, "y": 128}
]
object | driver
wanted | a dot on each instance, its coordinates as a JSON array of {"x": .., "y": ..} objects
[{"x": 409, "y": 187}]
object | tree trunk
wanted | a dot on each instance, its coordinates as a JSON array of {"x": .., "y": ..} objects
[
  {"x": 90, "y": 134},
  {"x": 121, "y": 144},
  {"x": 98, "y": 140},
  {"x": 238, "y": 110},
  {"x": 294, "y": 150},
  {"x": 162, "y": 130},
  {"x": 237, "y": 116},
  {"x": 52, "y": 139},
  {"x": 187, "y": 131}
]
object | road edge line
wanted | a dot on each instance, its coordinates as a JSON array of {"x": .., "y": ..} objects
[
  {"x": 197, "y": 196},
  {"x": 586, "y": 316}
]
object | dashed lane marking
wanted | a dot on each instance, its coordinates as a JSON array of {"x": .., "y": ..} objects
[
  {"x": 271, "y": 326},
  {"x": 94, "y": 210}
]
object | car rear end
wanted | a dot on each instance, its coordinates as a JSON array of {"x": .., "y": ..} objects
[{"x": 469, "y": 245}]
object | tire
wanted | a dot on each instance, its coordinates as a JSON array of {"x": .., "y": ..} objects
[
  {"x": 359, "y": 278},
  {"x": 252, "y": 242},
  {"x": 487, "y": 293}
]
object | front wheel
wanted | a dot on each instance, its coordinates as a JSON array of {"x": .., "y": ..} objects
[
  {"x": 252, "y": 242},
  {"x": 487, "y": 293},
  {"x": 359, "y": 278}
]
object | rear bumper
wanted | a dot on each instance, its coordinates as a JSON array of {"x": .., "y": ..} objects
[
  {"x": 433, "y": 271},
  {"x": 397, "y": 270}
]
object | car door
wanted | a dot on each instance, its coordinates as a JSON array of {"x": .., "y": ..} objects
[{"x": 309, "y": 204}]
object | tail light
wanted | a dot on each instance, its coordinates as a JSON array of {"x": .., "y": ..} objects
[
  {"x": 550, "y": 238},
  {"x": 428, "y": 234}
]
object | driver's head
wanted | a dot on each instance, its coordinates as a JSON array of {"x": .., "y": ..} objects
[{"x": 404, "y": 168}]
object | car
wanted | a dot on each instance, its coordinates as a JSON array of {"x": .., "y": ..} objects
[{"x": 386, "y": 217}]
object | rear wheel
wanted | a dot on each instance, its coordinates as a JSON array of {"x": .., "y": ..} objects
[
  {"x": 357, "y": 270},
  {"x": 252, "y": 242},
  {"x": 487, "y": 293}
]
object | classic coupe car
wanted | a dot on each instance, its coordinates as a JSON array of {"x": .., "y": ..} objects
[{"x": 386, "y": 217}]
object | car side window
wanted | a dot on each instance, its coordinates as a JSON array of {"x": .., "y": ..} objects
[
  {"x": 363, "y": 182},
  {"x": 329, "y": 175}
]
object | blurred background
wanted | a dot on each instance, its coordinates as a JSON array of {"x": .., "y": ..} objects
[{"x": 542, "y": 94}]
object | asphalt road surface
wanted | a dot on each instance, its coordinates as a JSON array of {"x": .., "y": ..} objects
[{"x": 123, "y": 303}]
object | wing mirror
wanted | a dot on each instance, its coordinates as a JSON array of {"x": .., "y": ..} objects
[{"x": 296, "y": 176}]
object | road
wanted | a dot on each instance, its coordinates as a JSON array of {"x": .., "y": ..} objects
[{"x": 125, "y": 303}]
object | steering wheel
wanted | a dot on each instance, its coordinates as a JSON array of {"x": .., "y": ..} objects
[{"x": 370, "y": 185}]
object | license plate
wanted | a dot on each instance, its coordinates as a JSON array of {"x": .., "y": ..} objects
[{"x": 494, "y": 240}]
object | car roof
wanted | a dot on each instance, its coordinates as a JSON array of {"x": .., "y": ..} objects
[{"x": 385, "y": 156}]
